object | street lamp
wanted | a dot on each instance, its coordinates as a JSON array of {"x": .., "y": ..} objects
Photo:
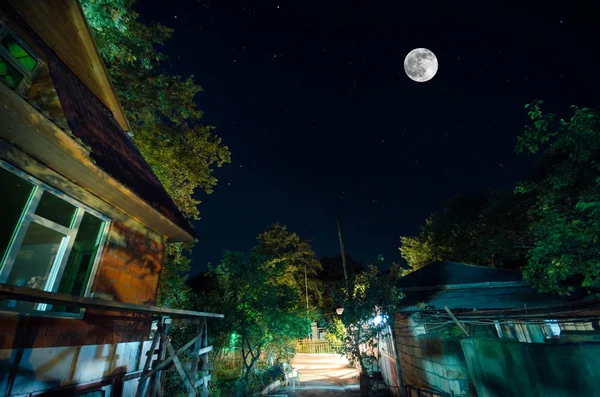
[{"x": 339, "y": 311}]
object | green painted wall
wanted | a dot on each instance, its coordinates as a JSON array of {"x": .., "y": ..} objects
[{"x": 501, "y": 367}]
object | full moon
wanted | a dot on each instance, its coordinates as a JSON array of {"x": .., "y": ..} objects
[{"x": 420, "y": 65}]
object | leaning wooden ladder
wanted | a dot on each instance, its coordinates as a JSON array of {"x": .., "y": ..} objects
[{"x": 195, "y": 375}]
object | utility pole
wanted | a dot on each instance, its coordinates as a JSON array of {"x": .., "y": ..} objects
[
  {"x": 306, "y": 288},
  {"x": 339, "y": 225}
]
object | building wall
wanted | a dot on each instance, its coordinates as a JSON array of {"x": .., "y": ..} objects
[
  {"x": 430, "y": 361},
  {"x": 107, "y": 366},
  {"x": 502, "y": 367},
  {"x": 128, "y": 272}
]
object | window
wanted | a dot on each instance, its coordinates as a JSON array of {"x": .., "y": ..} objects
[
  {"x": 48, "y": 241},
  {"x": 18, "y": 65}
]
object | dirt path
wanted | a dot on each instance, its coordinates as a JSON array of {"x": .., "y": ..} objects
[{"x": 323, "y": 375}]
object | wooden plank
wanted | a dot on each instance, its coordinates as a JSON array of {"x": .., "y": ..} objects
[
  {"x": 183, "y": 373},
  {"x": 203, "y": 380},
  {"x": 149, "y": 355},
  {"x": 35, "y": 295},
  {"x": 159, "y": 378},
  {"x": 168, "y": 360},
  {"x": 460, "y": 325},
  {"x": 207, "y": 366},
  {"x": 205, "y": 373},
  {"x": 195, "y": 354},
  {"x": 205, "y": 350}
]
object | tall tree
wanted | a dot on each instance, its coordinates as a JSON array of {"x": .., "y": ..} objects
[
  {"x": 301, "y": 262},
  {"x": 263, "y": 304},
  {"x": 164, "y": 119},
  {"x": 368, "y": 312},
  {"x": 486, "y": 228},
  {"x": 565, "y": 252},
  {"x": 331, "y": 277}
]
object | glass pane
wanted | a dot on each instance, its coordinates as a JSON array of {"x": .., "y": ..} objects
[
  {"x": 34, "y": 261},
  {"x": 15, "y": 195},
  {"x": 76, "y": 275},
  {"x": 56, "y": 209},
  {"x": 9, "y": 75},
  {"x": 19, "y": 52},
  {"x": 81, "y": 259}
]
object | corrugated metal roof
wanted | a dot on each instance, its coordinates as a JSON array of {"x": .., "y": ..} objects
[
  {"x": 515, "y": 297},
  {"x": 449, "y": 273},
  {"x": 467, "y": 287}
]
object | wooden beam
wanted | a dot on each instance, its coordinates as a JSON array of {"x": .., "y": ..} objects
[
  {"x": 35, "y": 295},
  {"x": 205, "y": 350},
  {"x": 25, "y": 128},
  {"x": 73, "y": 42},
  {"x": 195, "y": 355},
  {"x": 168, "y": 360},
  {"x": 202, "y": 381},
  {"x": 149, "y": 355},
  {"x": 460, "y": 325},
  {"x": 183, "y": 373}
]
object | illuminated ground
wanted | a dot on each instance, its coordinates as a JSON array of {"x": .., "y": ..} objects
[{"x": 323, "y": 375}]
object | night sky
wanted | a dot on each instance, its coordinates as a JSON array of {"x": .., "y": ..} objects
[{"x": 321, "y": 120}]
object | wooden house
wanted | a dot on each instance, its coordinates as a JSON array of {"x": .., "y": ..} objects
[
  {"x": 466, "y": 330},
  {"x": 84, "y": 224}
]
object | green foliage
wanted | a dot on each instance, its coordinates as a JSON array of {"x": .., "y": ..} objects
[
  {"x": 262, "y": 304},
  {"x": 280, "y": 245},
  {"x": 160, "y": 108},
  {"x": 333, "y": 284},
  {"x": 172, "y": 289},
  {"x": 487, "y": 229},
  {"x": 336, "y": 333},
  {"x": 262, "y": 295},
  {"x": 166, "y": 128},
  {"x": 566, "y": 212},
  {"x": 374, "y": 294}
]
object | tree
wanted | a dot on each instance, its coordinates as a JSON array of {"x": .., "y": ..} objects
[
  {"x": 565, "y": 251},
  {"x": 368, "y": 313},
  {"x": 263, "y": 305},
  {"x": 165, "y": 121},
  {"x": 160, "y": 107},
  {"x": 301, "y": 261},
  {"x": 484, "y": 228},
  {"x": 331, "y": 277}
]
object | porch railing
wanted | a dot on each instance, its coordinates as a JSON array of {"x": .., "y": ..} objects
[
  {"x": 194, "y": 375},
  {"x": 317, "y": 347}
]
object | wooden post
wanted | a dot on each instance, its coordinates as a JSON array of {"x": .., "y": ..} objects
[
  {"x": 149, "y": 355},
  {"x": 460, "y": 325},
  {"x": 205, "y": 369},
  {"x": 339, "y": 225},
  {"x": 195, "y": 352},
  {"x": 181, "y": 370}
]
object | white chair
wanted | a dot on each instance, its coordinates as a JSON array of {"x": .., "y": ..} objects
[{"x": 291, "y": 376}]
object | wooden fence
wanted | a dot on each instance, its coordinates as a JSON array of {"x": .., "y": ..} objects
[{"x": 317, "y": 347}]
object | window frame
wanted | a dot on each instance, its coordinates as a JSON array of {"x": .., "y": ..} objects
[
  {"x": 58, "y": 266},
  {"x": 28, "y": 76}
]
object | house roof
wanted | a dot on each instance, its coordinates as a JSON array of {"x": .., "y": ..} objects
[
  {"x": 110, "y": 146},
  {"x": 451, "y": 273},
  {"x": 73, "y": 42},
  {"x": 466, "y": 287},
  {"x": 96, "y": 119}
]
